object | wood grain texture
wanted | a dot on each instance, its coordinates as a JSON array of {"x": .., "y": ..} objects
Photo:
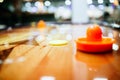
[
  {"x": 33, "y": 55},
  {"x": 27, "y": 61},
  {"x": 39, "y": 61}
]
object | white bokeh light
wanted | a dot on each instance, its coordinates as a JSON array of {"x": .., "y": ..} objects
[
  {"x": 47, "y": 3},
  {"x": 21, "y": 59},
  {"x": 1, "y": 1},
  {"x": 27, "y": 4},
  {"x": 115, "y": 47},
  {"x": 111, "y": 1},
  {"x": 37, "y": 4},
  {"x": 47, "y": 78},
  {"x": 8, "y": 61},
  {"x": 67, "y": 2},
  {"x": 89, "y": 1},
  {"x": 100, "y": 1},
  {"x": 101, "y": 7},
  {"x": 100, "y": 79}
]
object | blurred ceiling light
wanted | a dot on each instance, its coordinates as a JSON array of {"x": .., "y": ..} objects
[
  {"x": 33, "y": 10},
  {"x": 89, "y": 1},
  {"x": 100, "y": 1},
  {"x": 101, "y": 7},
  {"x": 47, "y": 3},
  {"x": 111, "y": 1},
  {"x": 37, "y": 4},
  {"x": 100, "y": 79},
  {"x": 67, "y": 2},
  {"x": 27, "y": 4},
  {"x": 1, "y": 1}
]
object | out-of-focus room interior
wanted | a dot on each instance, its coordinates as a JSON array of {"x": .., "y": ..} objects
[{"x": 23, "y": 12}]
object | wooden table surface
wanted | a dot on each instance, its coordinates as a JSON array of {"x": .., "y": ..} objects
[{"x": 23, "y": 58}]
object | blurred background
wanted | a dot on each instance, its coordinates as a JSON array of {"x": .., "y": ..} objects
[{"x": 23, "y": 12}]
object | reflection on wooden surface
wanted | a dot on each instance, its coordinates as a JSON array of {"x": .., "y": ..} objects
[
  {"x": 37, "y": 62},
  {"x": 34, "y": 60}
]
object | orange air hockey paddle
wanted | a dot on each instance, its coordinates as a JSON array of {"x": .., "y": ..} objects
[{"x": 94, "y": 42}]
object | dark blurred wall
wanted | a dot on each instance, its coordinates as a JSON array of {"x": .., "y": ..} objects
[
  {"x": 5, "y": 13},
  {"x": 10, "y": 12}
]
